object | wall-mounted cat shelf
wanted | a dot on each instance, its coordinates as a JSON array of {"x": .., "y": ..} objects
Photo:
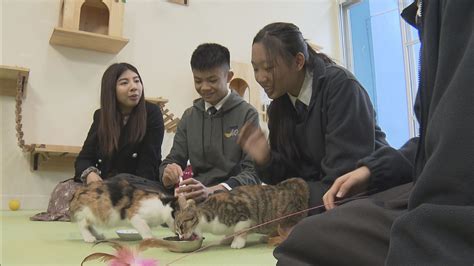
[
  {"x": 65, "y": 155},
  {"x": 245, "y": 85},
  {"x": 43, "y": 152},
  {"x": 315, "y": 46},
  {"x": 181, "y": 2},
  {"x": 171, "y": 123},
  {"x": 91, "y": 24},
  {"x": 13, "y": 80}
]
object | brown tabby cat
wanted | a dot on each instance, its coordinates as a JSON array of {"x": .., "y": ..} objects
[
  {"x": 117, "y": 202},
  {"x": 243, "y": 207}
]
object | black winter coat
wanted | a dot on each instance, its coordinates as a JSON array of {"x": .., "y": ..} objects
[{"x": 438, "y": 228}]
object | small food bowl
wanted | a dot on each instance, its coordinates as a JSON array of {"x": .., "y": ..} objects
[
  {"x": 129, "y": 234},
  {"x": 183, "y": 246}
]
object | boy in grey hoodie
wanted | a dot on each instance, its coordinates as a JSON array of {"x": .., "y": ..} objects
[{"x": 208, "y": 130}]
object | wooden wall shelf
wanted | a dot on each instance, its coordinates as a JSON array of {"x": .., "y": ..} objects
[
  {"x": 12, "y": 80},
  {"x": 245, "y": 84},
  {"x": 87, "y": 40},
  {"x": 171, "y": 123},
  {"x": 181, "y": 2},
  {"x": 45, "y": 152},
  {"x": 159, "y": 100},
  {"x": 315, "y": 46}
]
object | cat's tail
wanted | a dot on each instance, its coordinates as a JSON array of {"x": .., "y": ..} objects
[{"x": 282, "y": 236}]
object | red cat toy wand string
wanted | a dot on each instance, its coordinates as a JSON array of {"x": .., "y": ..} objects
[{"x": 358, "y": 196}]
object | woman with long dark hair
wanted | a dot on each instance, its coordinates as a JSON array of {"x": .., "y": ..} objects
[
  {"x": 124, "y": 141},
  {"x": 321, "y": 120},
  {"x": 127, "y": 132}
]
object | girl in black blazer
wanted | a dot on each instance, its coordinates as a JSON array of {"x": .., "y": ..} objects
[
  {"x": 127, "y": 132},
  {"x": 321, "y": 120},
  {"x": 123, "y": 141}
]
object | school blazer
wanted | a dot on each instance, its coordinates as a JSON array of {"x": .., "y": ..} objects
[{"x": 141, "y": 159}]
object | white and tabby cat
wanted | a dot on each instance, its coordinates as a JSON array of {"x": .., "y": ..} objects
[
  {"x": 117, "y": 202},
  {"x": 226, "y": 213}
]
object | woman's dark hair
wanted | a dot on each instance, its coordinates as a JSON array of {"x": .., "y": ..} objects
[
  {"x": 111, "y": 118},
  {"x": 285, "y": 40}
]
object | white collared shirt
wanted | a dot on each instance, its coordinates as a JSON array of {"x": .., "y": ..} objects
[
  {"x": 219, "y": 104},
  {"x": 306, "y": 90}
]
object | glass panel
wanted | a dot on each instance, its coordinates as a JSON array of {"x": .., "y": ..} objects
[
  {"x": 361, "y": 36},
  {"x": 414, "y": 68},
  {"x": 414, "y": 55},
  {"x": 378, "y": 64},
  {"x": 389, "y": 75},
  {"x": 381, "y": 6}
]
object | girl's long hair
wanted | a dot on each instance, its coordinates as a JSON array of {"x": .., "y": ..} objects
[
  {"x": 111, "y": 118},
  {"x": 285, "y": 40}
]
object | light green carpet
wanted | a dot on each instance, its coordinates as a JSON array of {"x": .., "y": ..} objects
[{"x": 24, "y": 242}]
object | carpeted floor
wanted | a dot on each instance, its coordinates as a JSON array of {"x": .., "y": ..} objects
[{"x": 24, "y": 242}]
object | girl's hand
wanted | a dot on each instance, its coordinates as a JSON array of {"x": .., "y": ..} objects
[
  {"x": 253, "y": 141},
  {"x": 349, "y": 184},
  {"x": 171, "y": 175}
]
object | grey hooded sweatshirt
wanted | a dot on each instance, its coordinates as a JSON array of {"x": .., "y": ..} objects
[{"x": 210, "y": 143}]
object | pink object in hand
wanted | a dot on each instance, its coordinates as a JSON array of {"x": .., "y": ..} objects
[{"x": 188, "y": 172}]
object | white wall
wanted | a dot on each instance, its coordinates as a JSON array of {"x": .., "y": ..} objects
[
  {"x": 64, "y": 83},
  {"x": 1, "y": 111}
]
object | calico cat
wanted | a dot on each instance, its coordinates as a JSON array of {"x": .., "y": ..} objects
[
  {"x": 117, "y": 202},
  {"x": 226, "y": 213}
]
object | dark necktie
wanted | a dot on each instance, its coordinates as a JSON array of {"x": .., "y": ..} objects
[
  {"x": 301, "y": 110},
  {"x": 211, "y": 110}
]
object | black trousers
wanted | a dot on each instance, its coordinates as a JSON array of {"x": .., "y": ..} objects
[{"x": 316, "y": 192}]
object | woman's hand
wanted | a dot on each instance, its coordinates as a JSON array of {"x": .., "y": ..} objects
[
  {"x": 171, "y": 175},
  {"x": 253, "y": 141},
  {"x": 193, "y": 189},
  {"x": 349, "y": 184},
  {"x": 93, "y": 177}
]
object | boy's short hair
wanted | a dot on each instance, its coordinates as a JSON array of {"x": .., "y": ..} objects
[{"x": 210, "y": 55}]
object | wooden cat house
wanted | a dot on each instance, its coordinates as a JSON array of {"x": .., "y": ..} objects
[
  {"x": 245, "y": 85},
  {"x": 91, "y": 24}
]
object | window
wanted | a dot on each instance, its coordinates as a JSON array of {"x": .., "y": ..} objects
[
  {"x": 411, "y": 51},
  {"x": 382, "y": 51}
]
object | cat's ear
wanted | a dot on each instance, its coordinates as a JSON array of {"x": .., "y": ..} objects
[{"x": 165, "y": 198}]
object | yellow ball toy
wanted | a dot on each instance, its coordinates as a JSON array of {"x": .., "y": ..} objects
[{"x": 14, "y": 204}]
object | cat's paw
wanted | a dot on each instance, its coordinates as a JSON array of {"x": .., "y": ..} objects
[
  {"x": 100, "y": 237},
  {"x": 147, "y": 236},
  {"x": 238, "y": 243},
  {"x": 264, "y": 239},
  {"x": 89, "y": 239}
]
